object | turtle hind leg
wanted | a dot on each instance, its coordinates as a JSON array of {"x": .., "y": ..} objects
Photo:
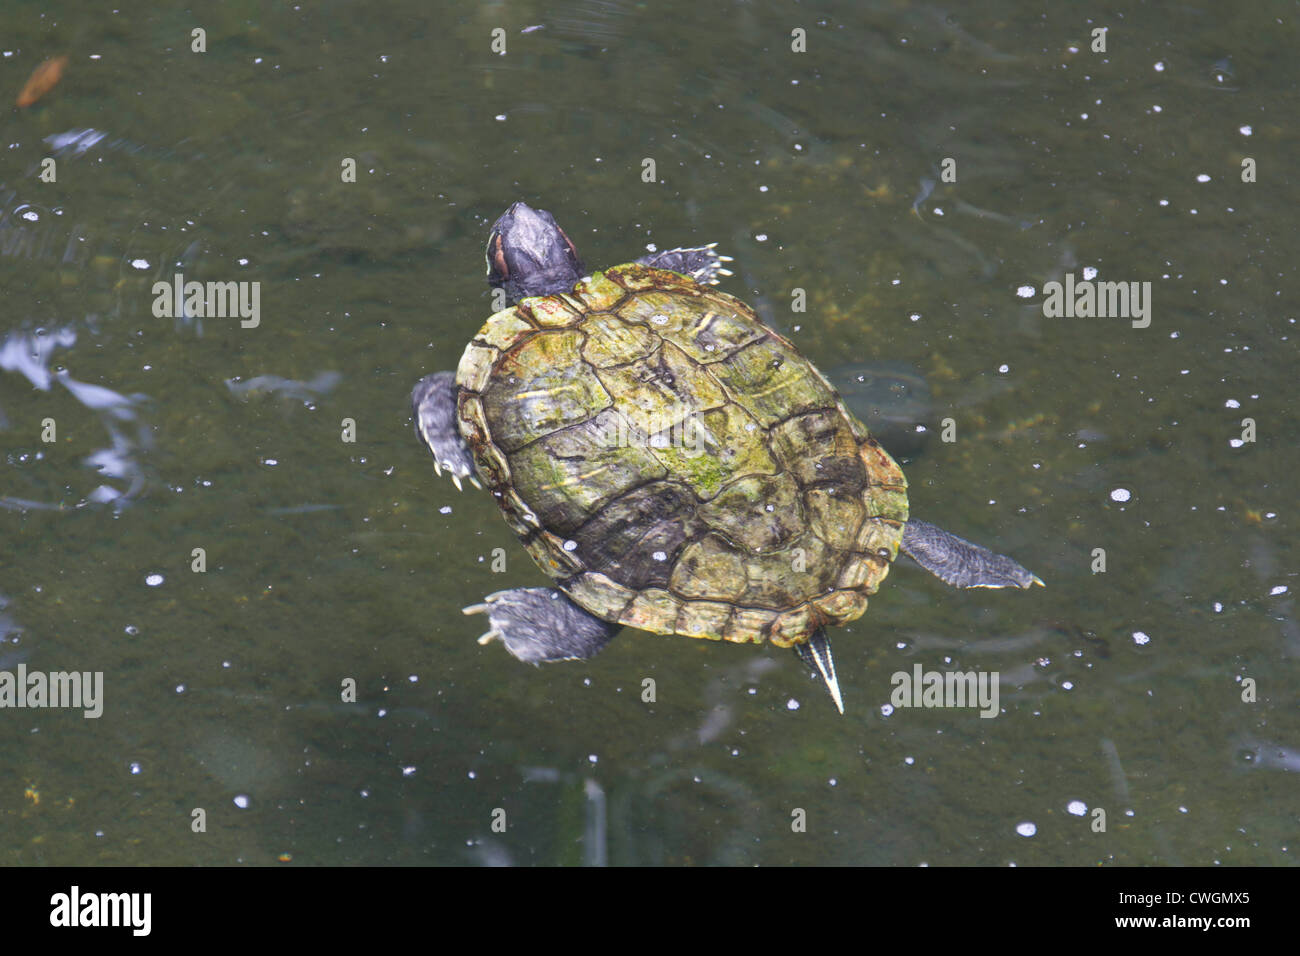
[
  {"x": 542, "y": 624},
  {"x": 702, "y": 263},
  {"x": 957, "y": 562},
  {"x": 816, "y": 654},
  {"x": 433, "y": 400}
]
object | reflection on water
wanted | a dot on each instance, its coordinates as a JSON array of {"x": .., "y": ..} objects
[
  {"x": 28, "y": 353},
  {"x": 306, "y": 392}
]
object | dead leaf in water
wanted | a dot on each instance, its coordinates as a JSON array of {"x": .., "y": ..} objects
[{"x": 43, "y": 79}]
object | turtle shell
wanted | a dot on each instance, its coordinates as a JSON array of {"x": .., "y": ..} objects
[{"x": 675, "y": 465}]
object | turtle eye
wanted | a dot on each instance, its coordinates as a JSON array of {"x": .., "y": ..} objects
[{"x": 498, "y": 271}]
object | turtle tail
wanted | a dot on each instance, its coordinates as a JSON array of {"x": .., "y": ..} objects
[{"x": 816, "y": 654}]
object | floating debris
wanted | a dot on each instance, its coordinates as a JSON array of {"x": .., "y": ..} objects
[
  {"x": 43, "y": 79},
  {"x": 322, "y": 384}
]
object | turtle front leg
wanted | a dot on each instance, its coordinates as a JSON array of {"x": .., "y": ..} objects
[
  {"x": 702, "y": 263},
  {"x": 959, "y": 563},
  {"x": 433, "y": 401},
  {"x": 542, "y": 624}
]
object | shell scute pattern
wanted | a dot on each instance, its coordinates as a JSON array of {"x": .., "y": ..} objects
[{"x": 677, "y": 466}]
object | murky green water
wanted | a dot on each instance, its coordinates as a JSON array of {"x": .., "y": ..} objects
[{"x": 328, "y": 560}]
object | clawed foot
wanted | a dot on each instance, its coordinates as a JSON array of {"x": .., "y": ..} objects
[
  {"x": 961, "y": 564},
  {"x": 433, "y": 401},
  {"x": 542, "y": 624},
  {"x": 702, "y": 263}
]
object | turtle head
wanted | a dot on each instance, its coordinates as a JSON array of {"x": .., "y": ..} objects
[{"x": 528, "y": 254}]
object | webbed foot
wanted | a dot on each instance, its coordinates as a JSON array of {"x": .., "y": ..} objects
[
  {"x": 959, "y": 563},
  {"x": 702, "y": 263},
  {"x": 433, "y": 401},
  {"x": 542, "y": 624}
]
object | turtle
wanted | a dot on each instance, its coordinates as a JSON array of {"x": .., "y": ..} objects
[{"x": 672, "y": 464}]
